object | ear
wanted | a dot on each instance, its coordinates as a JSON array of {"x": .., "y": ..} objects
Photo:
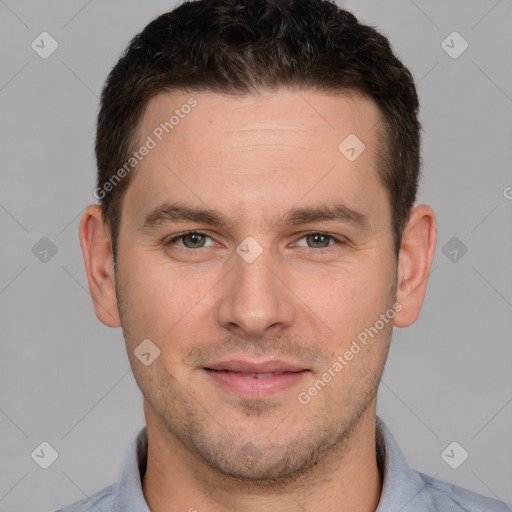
[
  {"x": 99, "y": 264},
  {"x": 414, "y": 262}
]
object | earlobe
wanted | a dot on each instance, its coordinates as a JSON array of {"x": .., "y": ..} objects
[
  {"x": 414, "y": 263},
  {"x": 97, "y": 252}
]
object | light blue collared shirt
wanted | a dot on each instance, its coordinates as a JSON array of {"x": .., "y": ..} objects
[{"x": 403, "y": 490}]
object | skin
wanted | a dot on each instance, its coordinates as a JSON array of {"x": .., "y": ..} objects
[{"x": 303, "y": 300}]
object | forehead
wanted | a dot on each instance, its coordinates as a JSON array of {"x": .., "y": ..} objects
[
  {"x": 245, "y": 152},
  {"x": 233, "y": 118}
]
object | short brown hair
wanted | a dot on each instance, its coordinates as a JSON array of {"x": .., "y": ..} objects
[{"x": 245, "y": 46}]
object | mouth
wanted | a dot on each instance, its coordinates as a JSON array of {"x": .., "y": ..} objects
[{"x": 255, "y": 380}]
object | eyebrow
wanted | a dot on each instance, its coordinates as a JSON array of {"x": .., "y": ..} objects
[{"x": 176, "y": 212}]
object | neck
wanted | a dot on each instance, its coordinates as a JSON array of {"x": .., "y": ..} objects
[{"x": 346, "y": 479}]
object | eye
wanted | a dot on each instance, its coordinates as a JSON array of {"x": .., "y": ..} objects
[
  {"x": 317, "y": 240},
  {"x": 191, "y": 240},
  {"x": 197, "y": 240}
]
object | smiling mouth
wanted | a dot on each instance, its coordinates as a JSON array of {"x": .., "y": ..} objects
[
  {"x": 255, "y": 380},
  {"x": 258, "y": 375}
]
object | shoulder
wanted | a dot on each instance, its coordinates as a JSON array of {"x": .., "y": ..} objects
[
  {"x": 102, "y": 500},
  {"x": 447, "y": 497}
]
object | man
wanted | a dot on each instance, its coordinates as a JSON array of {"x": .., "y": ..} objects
[{"x": 257, "y": 239}]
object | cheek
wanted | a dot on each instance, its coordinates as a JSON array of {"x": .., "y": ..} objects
[
  {"x": 158, "y": 299},
  {"x": 348, "y": 298},
  {"x": 345, "y": 291}
]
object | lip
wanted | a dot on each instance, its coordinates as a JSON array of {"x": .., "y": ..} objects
[
  {"x": 255, "y": 380},
  {"x": 241, "y": 366}
]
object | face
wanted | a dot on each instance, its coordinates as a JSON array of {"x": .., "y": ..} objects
[{"x": 254, "y": 253}]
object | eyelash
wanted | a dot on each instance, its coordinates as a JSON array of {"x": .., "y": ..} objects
[{"x": 202, "y": 233}]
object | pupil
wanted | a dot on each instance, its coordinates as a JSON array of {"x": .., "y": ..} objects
[
  {"x": 195, "y": 238},
  {"x": 317, "y": 238}
]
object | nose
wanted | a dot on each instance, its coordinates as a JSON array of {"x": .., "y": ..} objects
[{"x": 255, "y": 298}]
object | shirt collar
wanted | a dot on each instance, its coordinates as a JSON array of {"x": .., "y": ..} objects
[
  {"x": 128, "y": 493},
  {"x": 401, "y": 488}
]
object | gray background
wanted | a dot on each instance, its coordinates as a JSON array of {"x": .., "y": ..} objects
[{"x": 65, "y": 377}]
